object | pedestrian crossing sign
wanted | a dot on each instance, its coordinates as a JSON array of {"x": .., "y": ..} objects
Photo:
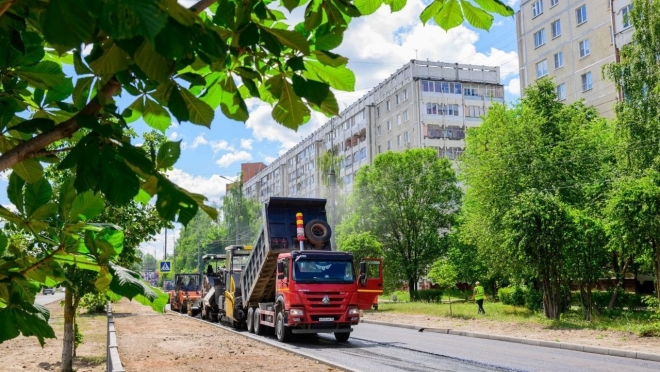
[{"x": 165, "y": 266}]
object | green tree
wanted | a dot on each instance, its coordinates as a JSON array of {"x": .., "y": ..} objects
[
  {"x": 176, "y": 62},
  {"x": 443, "y": 273},
  {"x": 200, "y": 233},
  {"x": 240, "y": 216},
  {"x": 149, "y": 263},
  {"x": 526, "y": 168},
  {"x": 405, "y": 199}
]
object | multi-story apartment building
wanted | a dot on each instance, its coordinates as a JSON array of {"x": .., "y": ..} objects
[
  {"x": 571, "y": 40},
  {"x": 423, "y": 104}
]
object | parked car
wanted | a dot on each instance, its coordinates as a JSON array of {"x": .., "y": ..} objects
[{"x": 49, "y": 290}]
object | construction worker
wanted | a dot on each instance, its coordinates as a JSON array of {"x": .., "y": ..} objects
[{"x": 479, "y": 295}]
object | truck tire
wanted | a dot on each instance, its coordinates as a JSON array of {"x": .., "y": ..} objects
[
  {"x": 282, "y": 333},
  {"x": 250, "y": 320},
  {"x": 317, "y": 231},
  {"x": 342, "y": 337},
  {"x": 182, "y": 309},
  {"x": 259, "y": 329}
]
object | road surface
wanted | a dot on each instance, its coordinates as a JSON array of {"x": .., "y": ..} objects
[
  {"x": 49, "y": 298},
  {"x": 383, "y": 349}
]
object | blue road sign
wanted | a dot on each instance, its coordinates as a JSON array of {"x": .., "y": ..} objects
[{"x": 165, "y": 266}]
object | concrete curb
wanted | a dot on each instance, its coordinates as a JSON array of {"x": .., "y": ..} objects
[
  {"x": 269, "y": 342},
  {"x": 518, "y": 340},
  {"x": 112, "y": 360}
]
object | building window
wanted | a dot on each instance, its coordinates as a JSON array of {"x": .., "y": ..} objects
[
  {"x": 405, "y": 94},
  {"x": 587, "y": 84},
  {"x": 441, "y": 109},
  {"x": 537, "y": 8},
  {"x": 389, "y": 125},
  {"x": 388, "y": 106},
  {"x": 440, "y": 87},
  {"x": 473, "y": 111},
  {"x": 556, "y": 28},
  {"x": 559, "y": 60},
  {"x": 396, "y": 99},
  {"x": 389, "y": 145},
  {"x": 398, "y": 120},
  {"x": 377, "y": 112},
  {"x": 405, "y": 115},
  {"x": 611, "y": 36},
  {"x": 581, "y": 14},
  {"x": 561, "y": 92},
  {"x": 406, "y": 137},
  {"x": 584, "y": 48},
  {"x": 542, "y": 68},
  {"x": 398, "y": 140},
  {"x": 625, "y": 12},
  {"x": 553, "y": 3},
  {"x": 379, "y": 151},
  {"x": 378, "y": 130},
  {"x": 539, "y": 38}
]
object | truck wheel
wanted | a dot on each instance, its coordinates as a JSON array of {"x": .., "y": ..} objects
[
  {"x": 317, "y": 231},
  {"x": 342, "y": 337},
  {"x": 250, "y": 320},
  {"x": 259, "y": 329},
  {"x": 183, "y": 309},
  {"x": 282, "y": 333}
]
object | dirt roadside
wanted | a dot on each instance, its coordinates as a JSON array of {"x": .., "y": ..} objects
[
  {"x": 170, "y": 343},
  {"x": 25, "y": 353},
  {"x": 608, "y": 339}
]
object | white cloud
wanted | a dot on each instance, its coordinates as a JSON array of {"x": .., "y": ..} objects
[
  {"x": 228, "y": 159},
  {"x": 213, "y": 187},
  {"x": 269, "y": 159},
  {"x": 246, "y": 144},
  {"x": 513, "y": 87},
  {"x": 199, "y": 140},
  {"x": 4, "y": 176},
  {"x": 157, "y": 244},
  {"x": 221, "y": 145},
  {"x": 174, "y": 136}
]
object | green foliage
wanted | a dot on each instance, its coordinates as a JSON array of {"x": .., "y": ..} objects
[
  {"x": 93, "y": 302},
  {"x": 533, "y": 300},
  {"x": 443, "y": 273},
  {"x": 404, "y": 199},
  {"x": 428, "y": 295},
  {"x": 361, "y": 245},
  {"x": 536, "y": 177},
  {"x": 512, "y": 295}
]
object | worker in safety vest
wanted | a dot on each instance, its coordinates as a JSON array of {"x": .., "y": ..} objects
[{"x": 479, "y": 296}]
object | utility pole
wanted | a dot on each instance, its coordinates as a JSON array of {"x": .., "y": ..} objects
[
  {"x": 165, "y": 250},
  {"x": 333, "y": 183},
  {"x": 199, "y": 255}
]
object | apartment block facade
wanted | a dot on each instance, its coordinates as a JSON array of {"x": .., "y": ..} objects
[
  {"x": 423, "y": 104},
  {"x": 571, "y": 41}
]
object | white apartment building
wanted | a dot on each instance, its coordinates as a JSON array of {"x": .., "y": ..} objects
[
  {"x": 571, "y": 40},
  {"x": 423, "y": 104}
]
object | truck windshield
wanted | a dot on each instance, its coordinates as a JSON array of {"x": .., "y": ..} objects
[{"x": 317, "y": 271}]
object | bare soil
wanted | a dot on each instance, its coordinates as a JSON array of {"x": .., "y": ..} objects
[
  {"x": 25, "y": 353},
  {"x": 608, "y": 339},
  {"x": 170, "y": 343}
]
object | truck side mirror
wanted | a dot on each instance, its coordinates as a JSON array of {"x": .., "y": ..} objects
[{"x": 280, "y": 270}]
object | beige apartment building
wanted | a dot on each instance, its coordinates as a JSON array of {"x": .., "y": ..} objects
[
  {"x": 571, "y": 41},
  {"x": 423, "y": 104}
]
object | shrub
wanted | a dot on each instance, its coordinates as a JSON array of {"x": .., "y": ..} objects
[
  {"x": 94, "y": 302},
  {"x": 533, "y": 300},
  {"x": 428, "y": 295},
  {"x": 651, "y": 330},
  {"x": 512, "y": 295},
  {"x": 624, "y": 299}
]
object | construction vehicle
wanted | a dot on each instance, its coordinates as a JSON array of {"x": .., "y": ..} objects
[
  {"x": 185, "y": 298},
  {"x": 294, "y": 283}
]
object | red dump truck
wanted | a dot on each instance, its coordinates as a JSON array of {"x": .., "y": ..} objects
[{"x": 294, "y": 282}]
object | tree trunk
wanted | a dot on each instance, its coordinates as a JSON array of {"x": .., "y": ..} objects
[
  {"x": 657, "y": 272},
  {"x": 619, "y": 283},
  {"x": 411, "y": 289},
  {"x": 67, "y": 349}
]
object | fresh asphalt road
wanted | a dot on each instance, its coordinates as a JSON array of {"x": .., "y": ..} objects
[
  {"x": 49, "y": 298},
  {"x": 380, "y": 348}
]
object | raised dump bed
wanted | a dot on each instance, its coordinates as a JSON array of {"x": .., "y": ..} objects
[{"x": 278, "y": 235}]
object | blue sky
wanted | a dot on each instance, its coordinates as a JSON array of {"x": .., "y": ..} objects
[{"x": 376, "y": 46}]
